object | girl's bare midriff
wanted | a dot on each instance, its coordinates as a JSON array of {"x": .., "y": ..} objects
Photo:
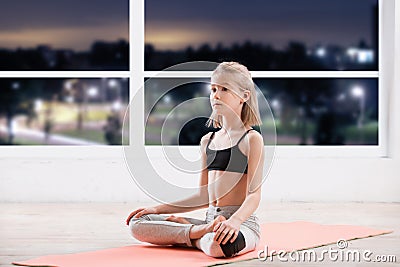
[{"x": 226, "y": 188}]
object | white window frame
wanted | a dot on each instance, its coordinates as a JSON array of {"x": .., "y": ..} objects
[{"x": 137, "y": 74}]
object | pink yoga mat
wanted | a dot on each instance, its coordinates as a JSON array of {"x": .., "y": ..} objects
[{"x": 277, "y": 236}]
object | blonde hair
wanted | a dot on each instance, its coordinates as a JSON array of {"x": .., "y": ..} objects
[{"x": 237, "y": 78}]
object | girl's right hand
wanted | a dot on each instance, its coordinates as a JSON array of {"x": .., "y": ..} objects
[{"x": 141, "y": 211}]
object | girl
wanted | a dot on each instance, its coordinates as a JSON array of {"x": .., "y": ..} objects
[{"x": 230, "y": 181}]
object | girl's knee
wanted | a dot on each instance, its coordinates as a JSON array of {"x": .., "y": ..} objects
[
  {"x": 134, "y": 221},
  {"x": 213, "y": 249},
  {"x": 232, "y": 249},
  {"x": 135, "y": 226},
  {"x": 210, "y": 247},
  {"x": 216, "y": 250}
]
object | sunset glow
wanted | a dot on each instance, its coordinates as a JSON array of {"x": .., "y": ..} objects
[{"x": 77, "y": 38}]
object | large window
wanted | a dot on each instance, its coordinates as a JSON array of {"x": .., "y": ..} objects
[
  {"x": 64, "y": 35},
  {"x": 56, "y": 111},
  {"x": 322, "y": 65},
  {"x": 307, "y": 111},
  {"x": 264, "y": 35},
  {"x": 316, "y": 62},
  {"x": 62, "y": 79}
]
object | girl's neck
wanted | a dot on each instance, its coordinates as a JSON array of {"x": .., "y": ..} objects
[{"x": 233, "y": 124}]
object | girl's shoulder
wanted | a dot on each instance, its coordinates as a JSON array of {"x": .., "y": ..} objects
[
  {"x": 204, "y": 140},
  {"x": 255, "y": 138}
]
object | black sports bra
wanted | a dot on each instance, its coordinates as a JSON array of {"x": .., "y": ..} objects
[{"x": 229, "y": 159}]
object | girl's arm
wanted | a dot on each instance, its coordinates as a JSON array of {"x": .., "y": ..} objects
[
  {"x": 228, "y": 230},
  {"x": 195, "y": 202}
]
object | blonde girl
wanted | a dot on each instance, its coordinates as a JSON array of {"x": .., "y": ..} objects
[{"x": 230, "y": 180}]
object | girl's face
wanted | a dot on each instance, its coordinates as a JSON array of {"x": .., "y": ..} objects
[{"x": 224, "y": 100}]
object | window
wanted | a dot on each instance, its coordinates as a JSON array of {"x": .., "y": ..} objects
[
  {"x": 48, "y": 96},
  {"x": 345, "y": 44},
  {"x": 64, "y": 35},
  {"x": 307, "y": 111},
  {"x": 318, "y": 63},
  {"x": 264, "y": 35}
]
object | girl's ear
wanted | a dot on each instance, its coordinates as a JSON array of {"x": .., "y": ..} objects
[{"x": 246, "y": 95}]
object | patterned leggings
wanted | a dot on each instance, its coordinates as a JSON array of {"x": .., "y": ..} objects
[{"x": 153, "y": 228}]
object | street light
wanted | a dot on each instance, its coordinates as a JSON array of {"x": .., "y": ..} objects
[
  {"x": 115, "y": 84},
  {"x": 15, "y": 85},
  {"x": 93, "y": 91},
  {"x": 341, "y": 97},
  {"x": 76, "y": 92},
  {"x": 277, "y": 107},
  {"x": 38, "y": 105},
  {"x": 359, "y": 93},
  {"x": 116, "y": 106},
  {"x": 321, "y": 52},
  {"x": 112, "y": 83}
]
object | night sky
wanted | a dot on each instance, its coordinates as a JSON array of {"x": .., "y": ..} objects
[
  {"x": 71, "y": 24},
  {"x": 176, "y": 23}
]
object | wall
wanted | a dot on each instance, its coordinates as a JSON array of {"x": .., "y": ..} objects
[{"x": 66, "y": 174}]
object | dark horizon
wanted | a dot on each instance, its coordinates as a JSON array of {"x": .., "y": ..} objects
[
  {"x": 296, "y": 57},
  {"x": 101, "y": 56},
  {"x": 40, "y": 45}
]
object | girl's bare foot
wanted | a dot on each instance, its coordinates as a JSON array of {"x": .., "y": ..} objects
[
  {"x": 197, "y": 231},
  {"x": 173, "y": 218}
]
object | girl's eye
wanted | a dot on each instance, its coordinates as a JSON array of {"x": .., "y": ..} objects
[{"x": 214, "y": 89}]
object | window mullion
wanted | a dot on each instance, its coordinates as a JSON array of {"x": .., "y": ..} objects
[{"x": 268, "y": 74}]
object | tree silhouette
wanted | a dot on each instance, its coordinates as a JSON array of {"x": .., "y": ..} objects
[
  {"x": 12, "y": 103},
  {"x": 256, "y": 56}
]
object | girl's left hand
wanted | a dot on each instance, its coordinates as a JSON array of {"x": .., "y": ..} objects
[{"x": 227, "y": 230}]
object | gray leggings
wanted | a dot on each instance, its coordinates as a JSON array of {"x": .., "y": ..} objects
[{"x": 153, "y": 228}]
